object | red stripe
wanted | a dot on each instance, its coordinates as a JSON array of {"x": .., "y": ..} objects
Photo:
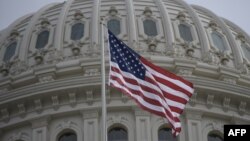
[
  {"x": 164, "y": 72},
  {"x": 139, "y": 93},
  {"x": 153, "y": 91}
]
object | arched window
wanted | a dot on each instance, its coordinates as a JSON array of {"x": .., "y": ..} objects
[
  {"x": 246, "y": 50},
  {"x": 117, "y": 134},
  {"x": 67, "y": 137},
  {"x": 10, "y": 51},
  {"x": 214, "y": 137},
  {"x": 165, "y": 134},
  {"x": 185, "y": 32},
  {"x": 150, "y": 27},
  {"x": 218, "y": 41},
  {"x": 42, "y": 39},
  {"x": 77, "y": 31},
  {"x": 114, "y": 26}
]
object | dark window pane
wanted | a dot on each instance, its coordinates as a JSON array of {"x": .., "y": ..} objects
[
  {"x": 214, "y": 137},
  {"x": 218, "y": 41},
  {"x": 165, "y": 134},
  {"x": 117, "y": 134},
  {"x": 77, "y": 31},
  {"x": 114, "y": 26},
  {"x": 68, "y": 137},
  {"x": 42, "y": 39},
  {"x": 246, "y": 50},
  {"x": 10, "y": 51},
  {"x": 185, "y": 32},
  {"x": 150, "y": 28}
]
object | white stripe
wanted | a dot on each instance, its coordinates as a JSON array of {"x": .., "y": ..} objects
[
  {"x": 145, "y": 83},
  {"x": 146, "y": 104},
  {"x": 148, "y": 95},
  {"x": 176, "y": 82}
]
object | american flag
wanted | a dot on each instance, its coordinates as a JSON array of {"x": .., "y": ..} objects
[{"x": 153, "y": 88}]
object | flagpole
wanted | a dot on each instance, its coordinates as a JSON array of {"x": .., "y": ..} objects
[{"x": 104, "y": 110}]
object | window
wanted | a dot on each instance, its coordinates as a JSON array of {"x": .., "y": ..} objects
[
  {"x": 185, "y": 32},
  {"x": 10, "y": 51},
  {"x": 67, "y": 137},
  {"x": 77, "y": 31},
  {"x": 150, "y": 27},
  {"x": 42, "y": 39},
  {"x": 246, "y": 50},
  {"x": 214, "y": 137},
  {"x": 114, "y": 26},
  {"x": 165, "y": 134},
  {"x": 117, "y": 134},
  {"x": 218, "y": 41}
]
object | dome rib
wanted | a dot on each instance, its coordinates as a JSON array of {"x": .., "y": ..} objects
[
  {"x": 203, "y": 39},
  {"x": 233, "y": 46},
  {"x": 24, "y": 47}
]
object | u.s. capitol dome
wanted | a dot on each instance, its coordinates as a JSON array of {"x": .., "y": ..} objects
[{"x": 50, "y": 83}]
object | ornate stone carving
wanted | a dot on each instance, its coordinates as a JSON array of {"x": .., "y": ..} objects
[
  {"x": 5, "y": 114},
  {"x": 241, "y": 37},
  {"x": 226, "y": 103},
  {"x": 193, "y": 99},
  {"x": 72, "y": 98},
  {"x": 39, "y": 56},
  {"x": 18, "y": 67},
  {"x": 242, "y": 107},
  {"x": 38, "y": 105},
  {"x": 19, "y": 136},
  {"x": 14, "y": 34},
  {"x": 21, "y": 109},
  {"x": 210, "y": 100},
  {"x": 78, "y": 15},
  {"x": 89, "y": 97},
  {"x": 55, "y": 101},
  {"x": 44, "y": 78},
  {"x": 113, "y": 11},
  {"x": 44, "y": 22},
  {"x": 5, "y": 68},
  {"x": 181, "y": 16},
  {"x": 92, "y": 72},
  {"x": 213, "y": 25},
  {"x": 147, "y": 12},
  {"x": 152, "y": 43}
]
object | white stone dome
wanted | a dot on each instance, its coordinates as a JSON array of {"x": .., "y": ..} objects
[{"x": 50, "y": 68}]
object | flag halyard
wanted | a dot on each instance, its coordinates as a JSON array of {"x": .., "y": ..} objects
[{"x": 153, "y": 88}]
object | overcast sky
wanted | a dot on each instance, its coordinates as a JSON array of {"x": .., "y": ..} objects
[{"x": 236, "y": 11}]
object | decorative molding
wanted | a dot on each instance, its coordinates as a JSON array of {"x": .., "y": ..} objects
[
  {"x": 72, "y": 98},
  {"x": 226, "y": 103},
  {"x": 89, "y": 97},
  {"x": 38, "y": 105},
  {"x": 242, "y": 107},
  {"x": 89, "y": 114},
  {"x": 55, "y": 101},
  {"x": 5, "y": 114},
  {"x": 210, "y": 100},
  {"x": 21, "y": 109}
]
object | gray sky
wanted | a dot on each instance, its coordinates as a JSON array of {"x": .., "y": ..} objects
[{"x": 236, "y": 11}]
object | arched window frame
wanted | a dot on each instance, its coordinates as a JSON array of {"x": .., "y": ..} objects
[
  {"x": 116, "y": 15},
  {"x": 246, "y": 59},
  {"x": 159, "y": 27},
  {"x": 69, "y": 126},
  {"x": 39, "y": 29},
  {"x": 10, "y": 39},
  {"x": 117, "y": 125},
  {"x": 215, "y": 132},
  {"x": 67, "y": 33},
  {"x": 164, "y": 126},
  {"x": 159, "y": 124},
  {"x": 212, "y": 127},
  {"x": 65, "y": 131},
  {"x": 188, "y": 23},
  {"x": 213, "y": 47}
]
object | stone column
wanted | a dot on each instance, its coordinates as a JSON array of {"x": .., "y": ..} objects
[
  {"x": 194, "y": 126},
  {"x": 40, "y": 129},
  {"x": 90, "y": 125},
  {"x": 142, "y": 123}
]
